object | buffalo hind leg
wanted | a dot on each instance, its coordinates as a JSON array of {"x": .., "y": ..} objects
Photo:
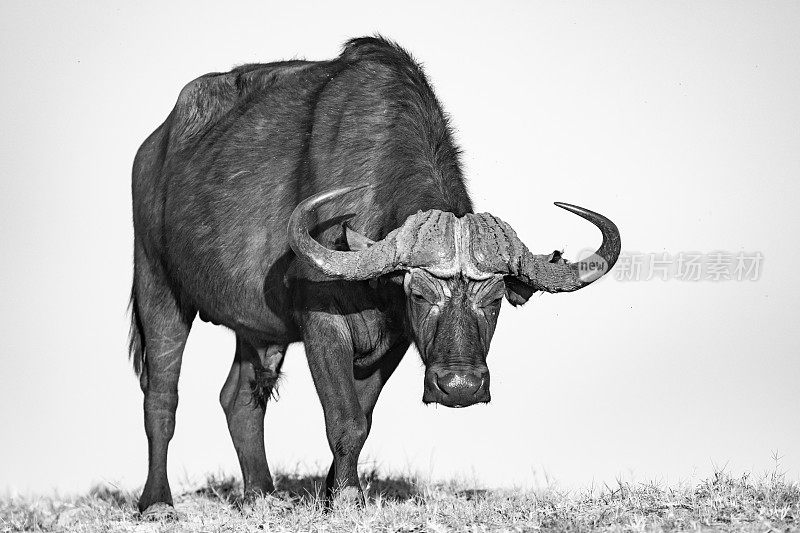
[
  {"x": 244, "y": 399},
  {"x": 164, "y": 327}
]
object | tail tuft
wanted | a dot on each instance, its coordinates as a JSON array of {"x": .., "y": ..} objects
[{"x": 136, "y": 341}]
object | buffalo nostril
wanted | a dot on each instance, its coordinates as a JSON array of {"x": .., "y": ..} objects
[{"x": 438, "y": 384}]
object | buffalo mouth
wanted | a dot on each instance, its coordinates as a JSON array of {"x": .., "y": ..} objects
[{"x": 456, "y": 388}]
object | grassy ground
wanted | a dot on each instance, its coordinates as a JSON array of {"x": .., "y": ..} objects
[{"x": 396, "y": 504}]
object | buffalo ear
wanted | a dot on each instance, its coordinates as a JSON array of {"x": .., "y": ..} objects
[
  {"x": 355, "y": 241},
  {"x": 517, "y": 293}
]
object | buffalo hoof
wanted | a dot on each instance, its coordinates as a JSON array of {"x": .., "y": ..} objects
[
  {"x": 254, "y": 501},
  {"x": 348, "y": 497},
  {"x": 159, "y": 512}
]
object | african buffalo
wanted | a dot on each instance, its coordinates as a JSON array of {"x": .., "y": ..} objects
[{"x": 357, "y": 152}]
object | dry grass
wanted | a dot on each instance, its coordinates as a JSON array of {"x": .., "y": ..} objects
[{"x": 398, "y": 504}]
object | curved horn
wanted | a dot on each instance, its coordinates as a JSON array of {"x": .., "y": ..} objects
[
  {"x": 376, "y": 260},
  {"x": 551, "y": 273}
]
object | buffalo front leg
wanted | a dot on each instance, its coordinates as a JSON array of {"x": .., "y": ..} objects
[
  {"x": 163, "y": 327},
  {"x": 369, "y": 383},
  {"x": 329, "y": 352},
  {"x": 244, "y": 399}
]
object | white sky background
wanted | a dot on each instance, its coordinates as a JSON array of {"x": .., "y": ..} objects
[{"x": 680, "y": 121}]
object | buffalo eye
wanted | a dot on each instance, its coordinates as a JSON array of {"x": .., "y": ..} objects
[
  {"x": 419, "y": 297},
  {"x": 492, "y": 297},
  {"x": 490, "y": 305},
  {"x": 493, "y": 302}
]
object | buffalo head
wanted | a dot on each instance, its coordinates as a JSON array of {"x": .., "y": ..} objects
[{"x": 455, "y": 272}]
